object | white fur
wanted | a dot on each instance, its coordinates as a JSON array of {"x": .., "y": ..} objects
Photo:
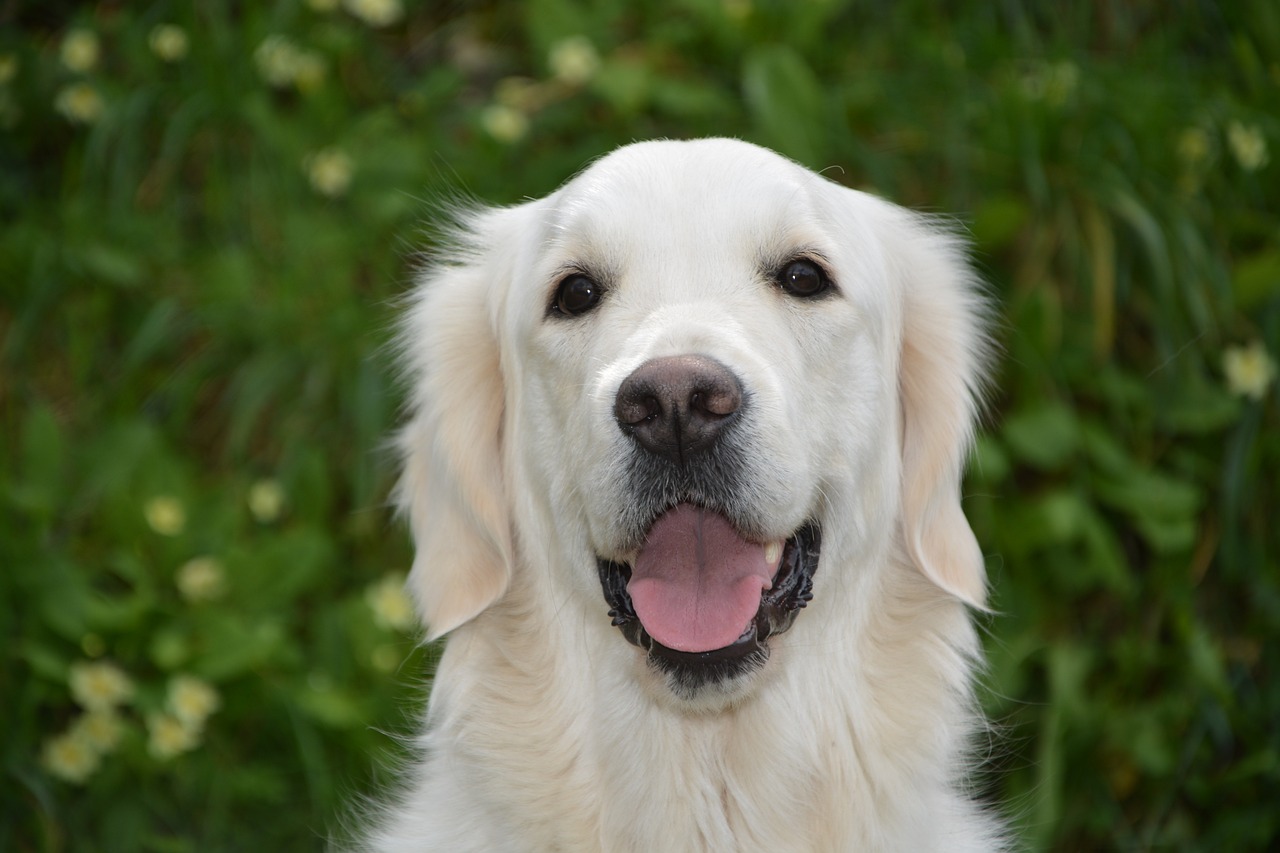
[{"x": 546, "y": 730}]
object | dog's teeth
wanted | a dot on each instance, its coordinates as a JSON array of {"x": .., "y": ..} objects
[{"x": 772, "y": 551}]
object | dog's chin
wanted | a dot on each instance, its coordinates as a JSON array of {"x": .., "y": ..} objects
[{"x": 714, "y": 678}]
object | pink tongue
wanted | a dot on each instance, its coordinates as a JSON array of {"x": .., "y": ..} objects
[{"x": 696, "y": 585}]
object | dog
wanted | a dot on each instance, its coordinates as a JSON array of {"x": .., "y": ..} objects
[{"x": 682, "y": 464}]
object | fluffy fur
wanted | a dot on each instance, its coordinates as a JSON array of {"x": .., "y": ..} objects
[{"x": 546, "y": 730}]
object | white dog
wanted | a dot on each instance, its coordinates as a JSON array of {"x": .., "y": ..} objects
[{"x": 683, "y": 472}]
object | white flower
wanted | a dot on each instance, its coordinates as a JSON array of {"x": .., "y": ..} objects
[
  {"x": 375, "y": 13},
  {"x": 168, "y": 41},
  {"x": 574, "y": 60},
  {"x": 101, "y": 730},
  {"x": 390, "y": 603},
  {"x": 192, "y": 700},
  {"x": 1250, "y": 370},
  {"x": 282, "y": 63},
  {"x": 330, "y": 171},
  {"x": 504, "y": 123},
  {"x": 80, "y": 50},
  {"x": 80, "y": 103},
  {"x": 70, "y": 757},
  {"x": 168, "y": 736},
  {"x": 165, "y": 515},
  {"x": 99, "y": 686},
  {"x": 201, "y": 579},
  {"x": 1248, "y": 145}
]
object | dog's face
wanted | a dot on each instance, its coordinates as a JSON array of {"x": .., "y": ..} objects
[{"x": 696, "y": 388}]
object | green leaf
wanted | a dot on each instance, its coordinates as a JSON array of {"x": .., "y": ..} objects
[
  {"x": 1256, "y": 279},
  {"x": 1046, "y": 437},
  {"x": 786, "y": 101}
]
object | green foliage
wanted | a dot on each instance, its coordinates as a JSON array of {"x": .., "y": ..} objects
[{"x": 210, "y": 208}]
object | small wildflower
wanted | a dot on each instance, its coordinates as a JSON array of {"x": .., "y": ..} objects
[
  {"x": 8, "y": 68},
  {"x": 266, "y": 500},
  {"x": 391, "y": 606},
  {"x": 168, "y": 736},
  {"x": 282, "y": 63},
  {"x": 70, "y": 757},
  {"x": 99, "y": 686},
  {"x": 1248, "y": 145},
  {"x": 192, "y": 700},
  {"x": 80, "y": 103},
  {"x": 574, "y": 60},
  {"x": 80, "y": 50},
  {"x": 165, "y": 515},
  {"x": 504, "y": 123},
  {"x": 168, "y": 41},
  {"x": 201, "y": 579},
  {"x": 102, "y": 730},
  {"x": 1249, "y": 370},
  {"x": 375, "y": 13},
  {"x": 329, "y": 171}
]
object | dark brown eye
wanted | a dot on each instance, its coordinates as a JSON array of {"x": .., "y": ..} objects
[
  {"x": 576, "y": 295},
  {"x": 803, "y": 278}
]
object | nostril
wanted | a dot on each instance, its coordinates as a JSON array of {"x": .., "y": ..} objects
[
  {"x": 635, "y": 407},
  {"x": 677, "y": 405}
]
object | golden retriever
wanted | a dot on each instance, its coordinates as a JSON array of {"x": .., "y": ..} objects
[{"x": 683, "y": 470}]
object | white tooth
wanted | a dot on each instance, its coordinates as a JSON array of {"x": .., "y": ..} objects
[{"x": 772, "y": 551}]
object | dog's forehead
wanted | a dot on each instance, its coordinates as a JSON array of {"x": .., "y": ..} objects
[{"x": 685, "y": 192}]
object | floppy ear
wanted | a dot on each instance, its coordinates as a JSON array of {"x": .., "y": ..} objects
[
  {"x": 452, "y": 483},
  {"x": 944, "y": 356}
]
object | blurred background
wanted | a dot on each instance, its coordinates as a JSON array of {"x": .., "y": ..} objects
[{"x": 208, "y": 211}]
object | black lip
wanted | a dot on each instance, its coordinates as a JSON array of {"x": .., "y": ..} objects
[{"x": 792, "y": 590}]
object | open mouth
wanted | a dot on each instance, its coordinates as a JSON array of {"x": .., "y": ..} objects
[{"x": 703, "y": 601}]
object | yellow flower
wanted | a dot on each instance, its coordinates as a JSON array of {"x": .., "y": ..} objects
[
  {"x": 201, "y": 579},
  {"x": 8, "y": 68},
  {"x": 168, "y": 41},
  {"x": 391, "y": 606},
  {"x": 375, "y": 13},
  {"x": 574, "y": 60},
  {"x": 99, "y": 686},
  {"x": 1250, "y": 370},
  {"x": 168, "y": 736},
  {"x": 80, "y": 103},
  {"x": 1248, "y": 145},
  {"x": 101, "y": 730},
  {"x": 504, "y": 123},
  {"x": 80, "y": 50},
  {"x": 165, "y": 515},
  {"x": 192, "y": 700},
  {"x": 70, "y": 757},
  {"x": 329, "y": 171}
]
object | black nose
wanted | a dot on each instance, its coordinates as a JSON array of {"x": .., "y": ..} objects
[{"x": 677, "y": 406}]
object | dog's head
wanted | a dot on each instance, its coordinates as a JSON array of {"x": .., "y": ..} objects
[{"x": 696, "y": 387}]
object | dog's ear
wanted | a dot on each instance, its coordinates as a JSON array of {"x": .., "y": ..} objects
[
  {"x": 944, "y": 357},
  {"x": 452, "y": 485}
]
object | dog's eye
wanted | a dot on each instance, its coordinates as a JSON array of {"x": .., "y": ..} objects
[
  {"x": 803, "y": 278},
  {"x": 576, "y": 295}
]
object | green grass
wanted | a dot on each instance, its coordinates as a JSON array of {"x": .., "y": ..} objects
[{"x": 188, "y": 311}]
